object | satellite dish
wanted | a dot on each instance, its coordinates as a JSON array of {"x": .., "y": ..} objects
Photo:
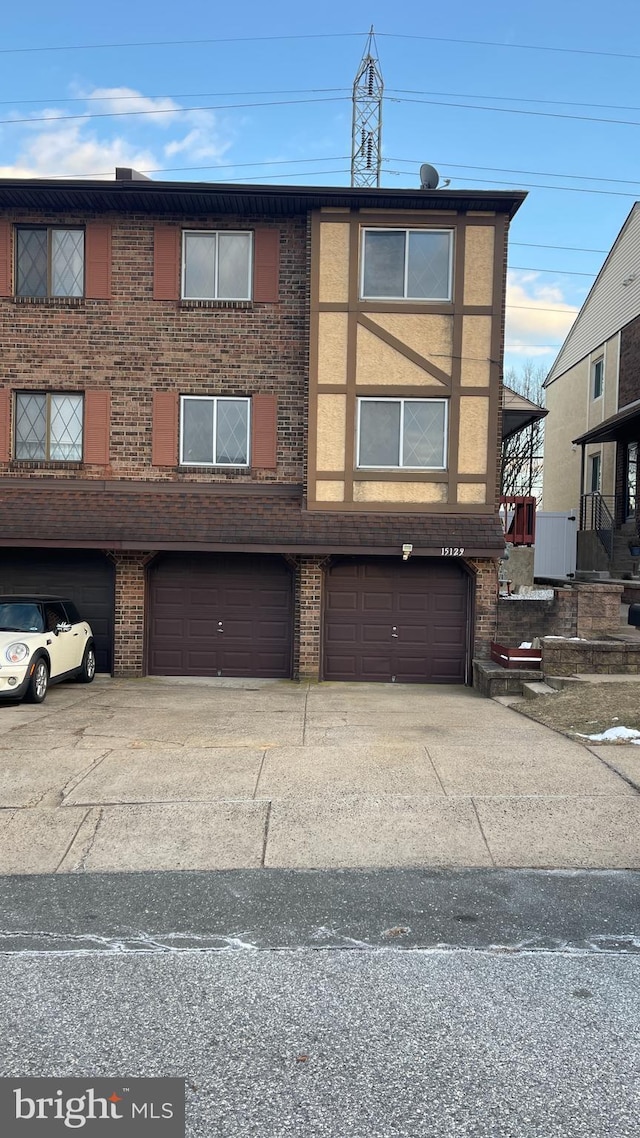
[{"x": 429, "y": 177}]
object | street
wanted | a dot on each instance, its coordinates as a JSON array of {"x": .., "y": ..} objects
[{"x": 409, "y": 1003}]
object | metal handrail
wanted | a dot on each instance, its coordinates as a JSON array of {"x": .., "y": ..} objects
[{"x": 596, "y": 515}]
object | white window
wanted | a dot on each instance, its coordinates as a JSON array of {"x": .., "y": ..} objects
[
  {"x": 406, "y": 264},
  {"x": 397, "y": 433},
  {"x": 214, "y": 431},
  {"x": 597, "y": 372},
  {"x": 49, "y": 261},
  {"x": 48, "y": 426},
  {"x": 216, "y": 265}
]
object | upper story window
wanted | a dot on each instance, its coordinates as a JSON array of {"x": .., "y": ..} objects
[
  {"x": 216, "y": 265},
  {"x": 406, "y": 264},
  {"x": 398, "y": 433},
  {"x": 597, "y": 375},
  {"x": 214, "y": 431},
  {"x": 48, "y": 426},
  {"x": 49, "y": 261}
]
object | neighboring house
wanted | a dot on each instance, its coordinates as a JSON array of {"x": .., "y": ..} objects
[
  {"x": 593, "y": 397},
  {"x": 254, "y": 431}
]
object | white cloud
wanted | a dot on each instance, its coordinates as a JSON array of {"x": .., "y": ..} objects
[
  {"x": 93, "y": 147},
  {"x": 538, "y": 315}
]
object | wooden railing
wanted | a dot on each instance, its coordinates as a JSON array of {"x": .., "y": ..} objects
[{"x": 518, "y": 515}]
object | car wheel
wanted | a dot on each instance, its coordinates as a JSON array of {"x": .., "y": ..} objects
[
  {"x": 88, "y": 667},
  {"x": 39, "y": 682}
]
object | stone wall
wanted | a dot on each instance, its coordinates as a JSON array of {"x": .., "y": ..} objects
[
  {"x": 586, "y": 610},
  {"x": 569, "y": 657}
]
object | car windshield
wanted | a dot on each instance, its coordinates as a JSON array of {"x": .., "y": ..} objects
[{"x": 20, "y": 617}]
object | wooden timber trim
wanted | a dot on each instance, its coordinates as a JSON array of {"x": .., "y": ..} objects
[
  {"x": 456, "y": 362},
  {"x": 352, "y": 360},
  {"x": 497, "y": 348},
  {"x": 303, "y": 550},
  {"x": 404, "y": 350},
  {"x": 314, "y": 335}
]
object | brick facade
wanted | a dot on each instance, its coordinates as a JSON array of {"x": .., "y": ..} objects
[
  {"x": 486, "y": 606},
  {"x": 132, "y": 346},
  {"x": 129, "y": 622},
  {"x": 308, "y": 617}
]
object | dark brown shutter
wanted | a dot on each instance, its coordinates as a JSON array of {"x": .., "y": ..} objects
[
  {"x": 97, "y": 252},
  {"x": 166, "y": 262},
  {"x": 266, "y": 265},
  {"x": 5, "y": 258},
  {"x": 5, "y": 432},
  {"x": 97, "y": 422},
  {"x": 164, "y": 446},
  {"x": 264, "y": 431}
]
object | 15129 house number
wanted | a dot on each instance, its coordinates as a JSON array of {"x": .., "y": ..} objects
[{"x": 452, "y": 550}]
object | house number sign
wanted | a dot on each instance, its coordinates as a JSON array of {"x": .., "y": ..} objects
[{"x": 452, "y": 550}]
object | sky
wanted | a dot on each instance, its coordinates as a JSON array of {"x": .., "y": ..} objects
[{"x": 541, "y": 97}]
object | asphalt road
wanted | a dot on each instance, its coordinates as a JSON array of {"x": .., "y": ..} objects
[{"x": 476, "y": 1003}]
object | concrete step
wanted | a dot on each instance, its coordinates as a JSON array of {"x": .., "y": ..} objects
[
  {"x": 537, "y": 688},
  {"x": 561, "y": 682}
]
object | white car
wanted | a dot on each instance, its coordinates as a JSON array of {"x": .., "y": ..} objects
[{"x": 42, "y": 640}]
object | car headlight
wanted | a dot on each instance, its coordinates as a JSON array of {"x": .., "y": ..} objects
[{"x": 16, "y": 653}]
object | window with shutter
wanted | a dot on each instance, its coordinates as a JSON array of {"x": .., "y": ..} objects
[
  {"x": 164, "y": 447},
  {"x": 264, "y": 432}
]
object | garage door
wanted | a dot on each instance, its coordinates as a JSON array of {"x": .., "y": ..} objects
[
  {"x": 220, "y": 616},
  {"x": 85, "y": 576},
  {"x": 395, "y": 621}
]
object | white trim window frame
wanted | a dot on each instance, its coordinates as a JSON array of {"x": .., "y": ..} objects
[
  {"x": 406, "y": 296},
  {"x": 401, "y": 465},
  {"x": 597, "y": 378},
  {"x": 214, "y": 235},
  {"x": 595, "y": 473},
  {"x": 215, "y": 400}
]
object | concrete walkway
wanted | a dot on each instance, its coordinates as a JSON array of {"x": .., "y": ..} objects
[{"x": 220, "y": 774}]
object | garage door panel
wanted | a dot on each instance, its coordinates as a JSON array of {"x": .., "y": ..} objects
[
  {"x": 377, "y": 602},
  {"x": 426, "y": 601},
  {"x": 343, "y": 602},
  {"x": 248, "y": 597},
  {"x": 85, "y": 576}
]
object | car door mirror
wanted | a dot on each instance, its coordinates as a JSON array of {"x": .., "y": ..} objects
[{"x": 63, "y": 626}]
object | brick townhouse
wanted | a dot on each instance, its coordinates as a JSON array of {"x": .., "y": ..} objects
[{"x": 254, "y": 431}]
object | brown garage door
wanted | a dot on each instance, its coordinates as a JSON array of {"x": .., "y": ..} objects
[
  {"x": 220, "y": 615},
  {"x": 395, "y": 621},
  {"x": 86, "y": 576}
]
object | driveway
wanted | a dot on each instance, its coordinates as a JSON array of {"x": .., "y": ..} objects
[{"x": 220, "y": 774}]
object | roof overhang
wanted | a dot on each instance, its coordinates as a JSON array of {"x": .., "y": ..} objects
[
  {"x": 193, "y": 198},
  {"x": 624, "y": 427},
  {"x": 518, "y": 412}
]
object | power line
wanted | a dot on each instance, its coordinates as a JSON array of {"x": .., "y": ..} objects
[
  {"x": 536, "y": 186},
  {"x": 513, "y": 99},
  {"x": 192, "y": 95},
  {"x": 536, "y": 173},
  {"x": 178, "y": 43},
  {"x": 534, "y": 308},
  {"x": 568, "y": 248},
  {"x": 316, "y": 36},
  {"x": 517, "y": 111},
  {"x": 556, "y": 272},
  {"x": 512, "y": 46},
  {"x": 219, "y": 166},
  {"x": 53, "y": 121}
]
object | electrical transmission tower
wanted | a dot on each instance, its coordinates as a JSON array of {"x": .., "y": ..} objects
[{"x": 366, "y": 143}]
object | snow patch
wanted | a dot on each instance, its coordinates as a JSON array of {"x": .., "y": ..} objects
[
  {"x": 532, "y": 595},
  {"x": 614, "y": 735}
]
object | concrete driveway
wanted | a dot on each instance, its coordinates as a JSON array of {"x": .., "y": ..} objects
[{"x": 218, "y": 774}]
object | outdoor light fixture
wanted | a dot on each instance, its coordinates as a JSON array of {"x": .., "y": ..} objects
[{"x": 407, "y": 550}]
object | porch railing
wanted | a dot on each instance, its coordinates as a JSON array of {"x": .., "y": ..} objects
[
  {"x": 598, "y": 512},
  {"x": 518, "y": 515}
]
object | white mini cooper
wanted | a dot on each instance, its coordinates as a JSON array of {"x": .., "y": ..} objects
[{"x": 42, "y": 640}]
